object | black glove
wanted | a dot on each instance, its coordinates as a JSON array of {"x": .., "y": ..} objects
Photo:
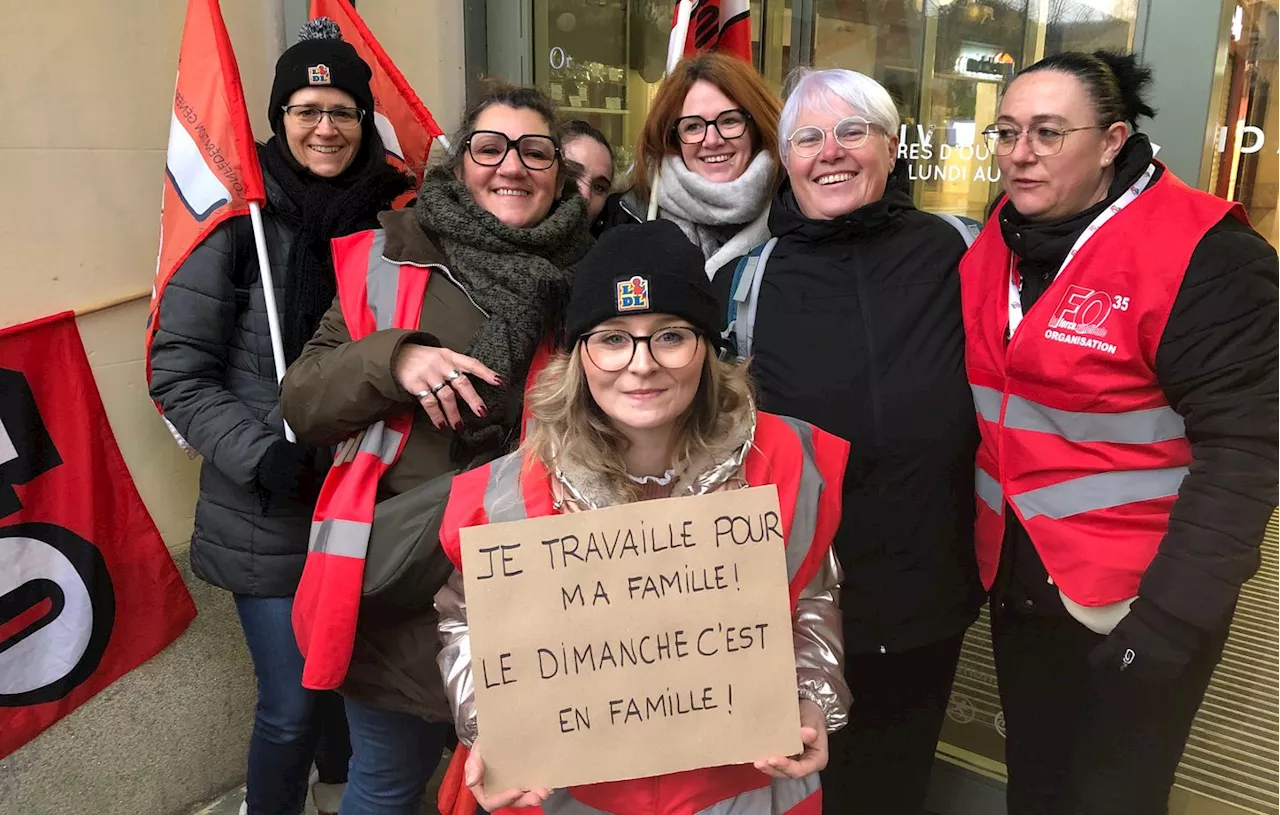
[
  {"x": 283, "y": 468},
  {"x": 1148, "y": 644}
]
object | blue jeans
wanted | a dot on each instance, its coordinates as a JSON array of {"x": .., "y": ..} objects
[
  {"x": 393, "y": 756},
  {"x": 289, "y": 721}
]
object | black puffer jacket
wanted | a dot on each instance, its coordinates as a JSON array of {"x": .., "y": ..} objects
[
  {"x": 212, "y": 373},
  {"x": 859, "y": 331},
  {"x": 616, "y": 212}
]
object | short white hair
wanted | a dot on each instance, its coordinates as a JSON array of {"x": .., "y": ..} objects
[{"x": 812, "y": 90}]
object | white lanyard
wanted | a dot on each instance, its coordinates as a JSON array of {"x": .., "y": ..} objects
[{"x": 1015, "y": 280}]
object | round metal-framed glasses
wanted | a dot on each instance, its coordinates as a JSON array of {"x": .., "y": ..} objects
[
  {"x": 1044, "y": 140},
  {"x": 850, "y": 133}
]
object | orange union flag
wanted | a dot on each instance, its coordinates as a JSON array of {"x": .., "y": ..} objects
[
  {"x": 406, "y": 126},
  {"x": 211, "y": 168}
]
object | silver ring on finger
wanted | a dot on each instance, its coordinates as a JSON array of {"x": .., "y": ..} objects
[
  {"x": 437, "y": 388},
  {"x": 423, "y": 394},
  {"x": 453, "y": 376}
]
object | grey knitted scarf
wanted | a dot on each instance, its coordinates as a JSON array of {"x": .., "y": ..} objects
[
  {"x": 725, "y": 219},
  {"x": 518, "y": 277}
]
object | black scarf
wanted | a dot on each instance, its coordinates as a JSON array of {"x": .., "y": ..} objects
[
  {"x": 1041, "y": 246},
  {"x": 323, "y": 209},
  {"x": 519, "y": 277},
  {"x": 868, "y": 221}
]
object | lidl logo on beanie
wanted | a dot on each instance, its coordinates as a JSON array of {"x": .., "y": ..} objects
[
  {"x": 319, "y": 75},
  {"x": 633, "y": 295}
]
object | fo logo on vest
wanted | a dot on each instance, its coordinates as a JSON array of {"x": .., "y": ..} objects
[{"x": 1083, "y": 312}]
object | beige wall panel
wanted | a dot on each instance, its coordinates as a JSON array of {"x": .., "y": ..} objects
[
  {"x": 424, "y": 38},
  {"x": 79, "y": 219},
  {"x": 112, "y": 79},
  {"x": 83, "y": 229}
]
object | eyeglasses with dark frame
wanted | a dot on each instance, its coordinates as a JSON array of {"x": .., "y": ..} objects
[
  {"x": 310, "y": 116},
  {"x": 489, "y": 148},
  {"x": 730, "y": 124},
  {"x": 850, "y": 133},
  {"x": 613, "y": 349},
  {"x": 1044, "y": 140}
]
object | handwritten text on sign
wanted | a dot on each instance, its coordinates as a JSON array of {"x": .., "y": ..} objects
[{"x": 632, "y": 641}]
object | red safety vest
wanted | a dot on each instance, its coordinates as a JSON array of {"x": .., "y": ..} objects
[
  {"x": 1077, "y": 435},
  {"x": 807, "y": 465},
  {"x": 375, "y": 294}
]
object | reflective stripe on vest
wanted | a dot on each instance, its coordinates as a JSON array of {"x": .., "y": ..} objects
[
  {"x": 503, "y": 496},
  {"x": 377, "y": 439},
  {"x": 334, "y": 536},
  {"x": 988, "y": 402},
  {"x": 988, "y": 489},
  {"x": 1147, "y": 426},
  {"x": 780, "y": 796},
  {"x": 382, "y": 282},
  {"x": 804, "y": 522},
  {"x": 1091, "y": 492},
  {"x": 1099, "y": 491}
]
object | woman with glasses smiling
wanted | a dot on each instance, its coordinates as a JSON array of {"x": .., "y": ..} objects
[
  {"x": 326, "y": 176},
  {"x": 640, "y": 408},
  {"x": 1121, "y": 348},
  {"x": 857, "y": 329},
  {"x": 710, "y": 140},
  {"x": 439, "y": 316}
]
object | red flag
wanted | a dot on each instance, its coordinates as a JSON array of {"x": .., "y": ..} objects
[
  {"x": 211, "y": 167},
  {"x": 88, "y": 591},
  {"x": 718, "y": 25},
  {"x": 406, "y": 126}
]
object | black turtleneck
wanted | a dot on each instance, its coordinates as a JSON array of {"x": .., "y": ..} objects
[
  {"x": 1041, "y": 246},
  {"x": 317, "y": 210},
  {"x": 1217, "y": 364}
]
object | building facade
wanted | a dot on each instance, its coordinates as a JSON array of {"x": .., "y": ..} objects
[
  {"x": 945, "y": 62},
  {"x": 89, "y": 87}
]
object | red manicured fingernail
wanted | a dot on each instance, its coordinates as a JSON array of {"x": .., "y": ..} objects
[
  {"x": 482, "y": 411},
  {"x": 458, "y": 427},
  {"x": 497, "y": 380}
]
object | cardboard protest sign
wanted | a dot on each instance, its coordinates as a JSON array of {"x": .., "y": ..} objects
[{"x": 632, "y": 641}]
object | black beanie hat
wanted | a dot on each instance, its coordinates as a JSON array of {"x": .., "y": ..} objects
[
  {"x": 648, "y": 268},
  {"x": 320, "y": 59}
]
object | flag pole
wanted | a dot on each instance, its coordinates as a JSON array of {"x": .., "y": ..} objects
[
  {"x": 269, "y": 295},
  {"x": 675, "y": 50},
  {"x": 679, "y": 33}
]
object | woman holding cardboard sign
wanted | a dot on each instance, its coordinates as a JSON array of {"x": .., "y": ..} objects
[{"x": 641, "y": 408}]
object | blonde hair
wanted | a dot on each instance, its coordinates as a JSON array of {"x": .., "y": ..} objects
[{"x": 568, "y": 423}]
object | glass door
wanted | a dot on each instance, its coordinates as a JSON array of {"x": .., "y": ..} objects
[
  {"x": 1242, "y": 155},
  {"x": 944, "y": 62},
  {"x": 582, "y": 55}
]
